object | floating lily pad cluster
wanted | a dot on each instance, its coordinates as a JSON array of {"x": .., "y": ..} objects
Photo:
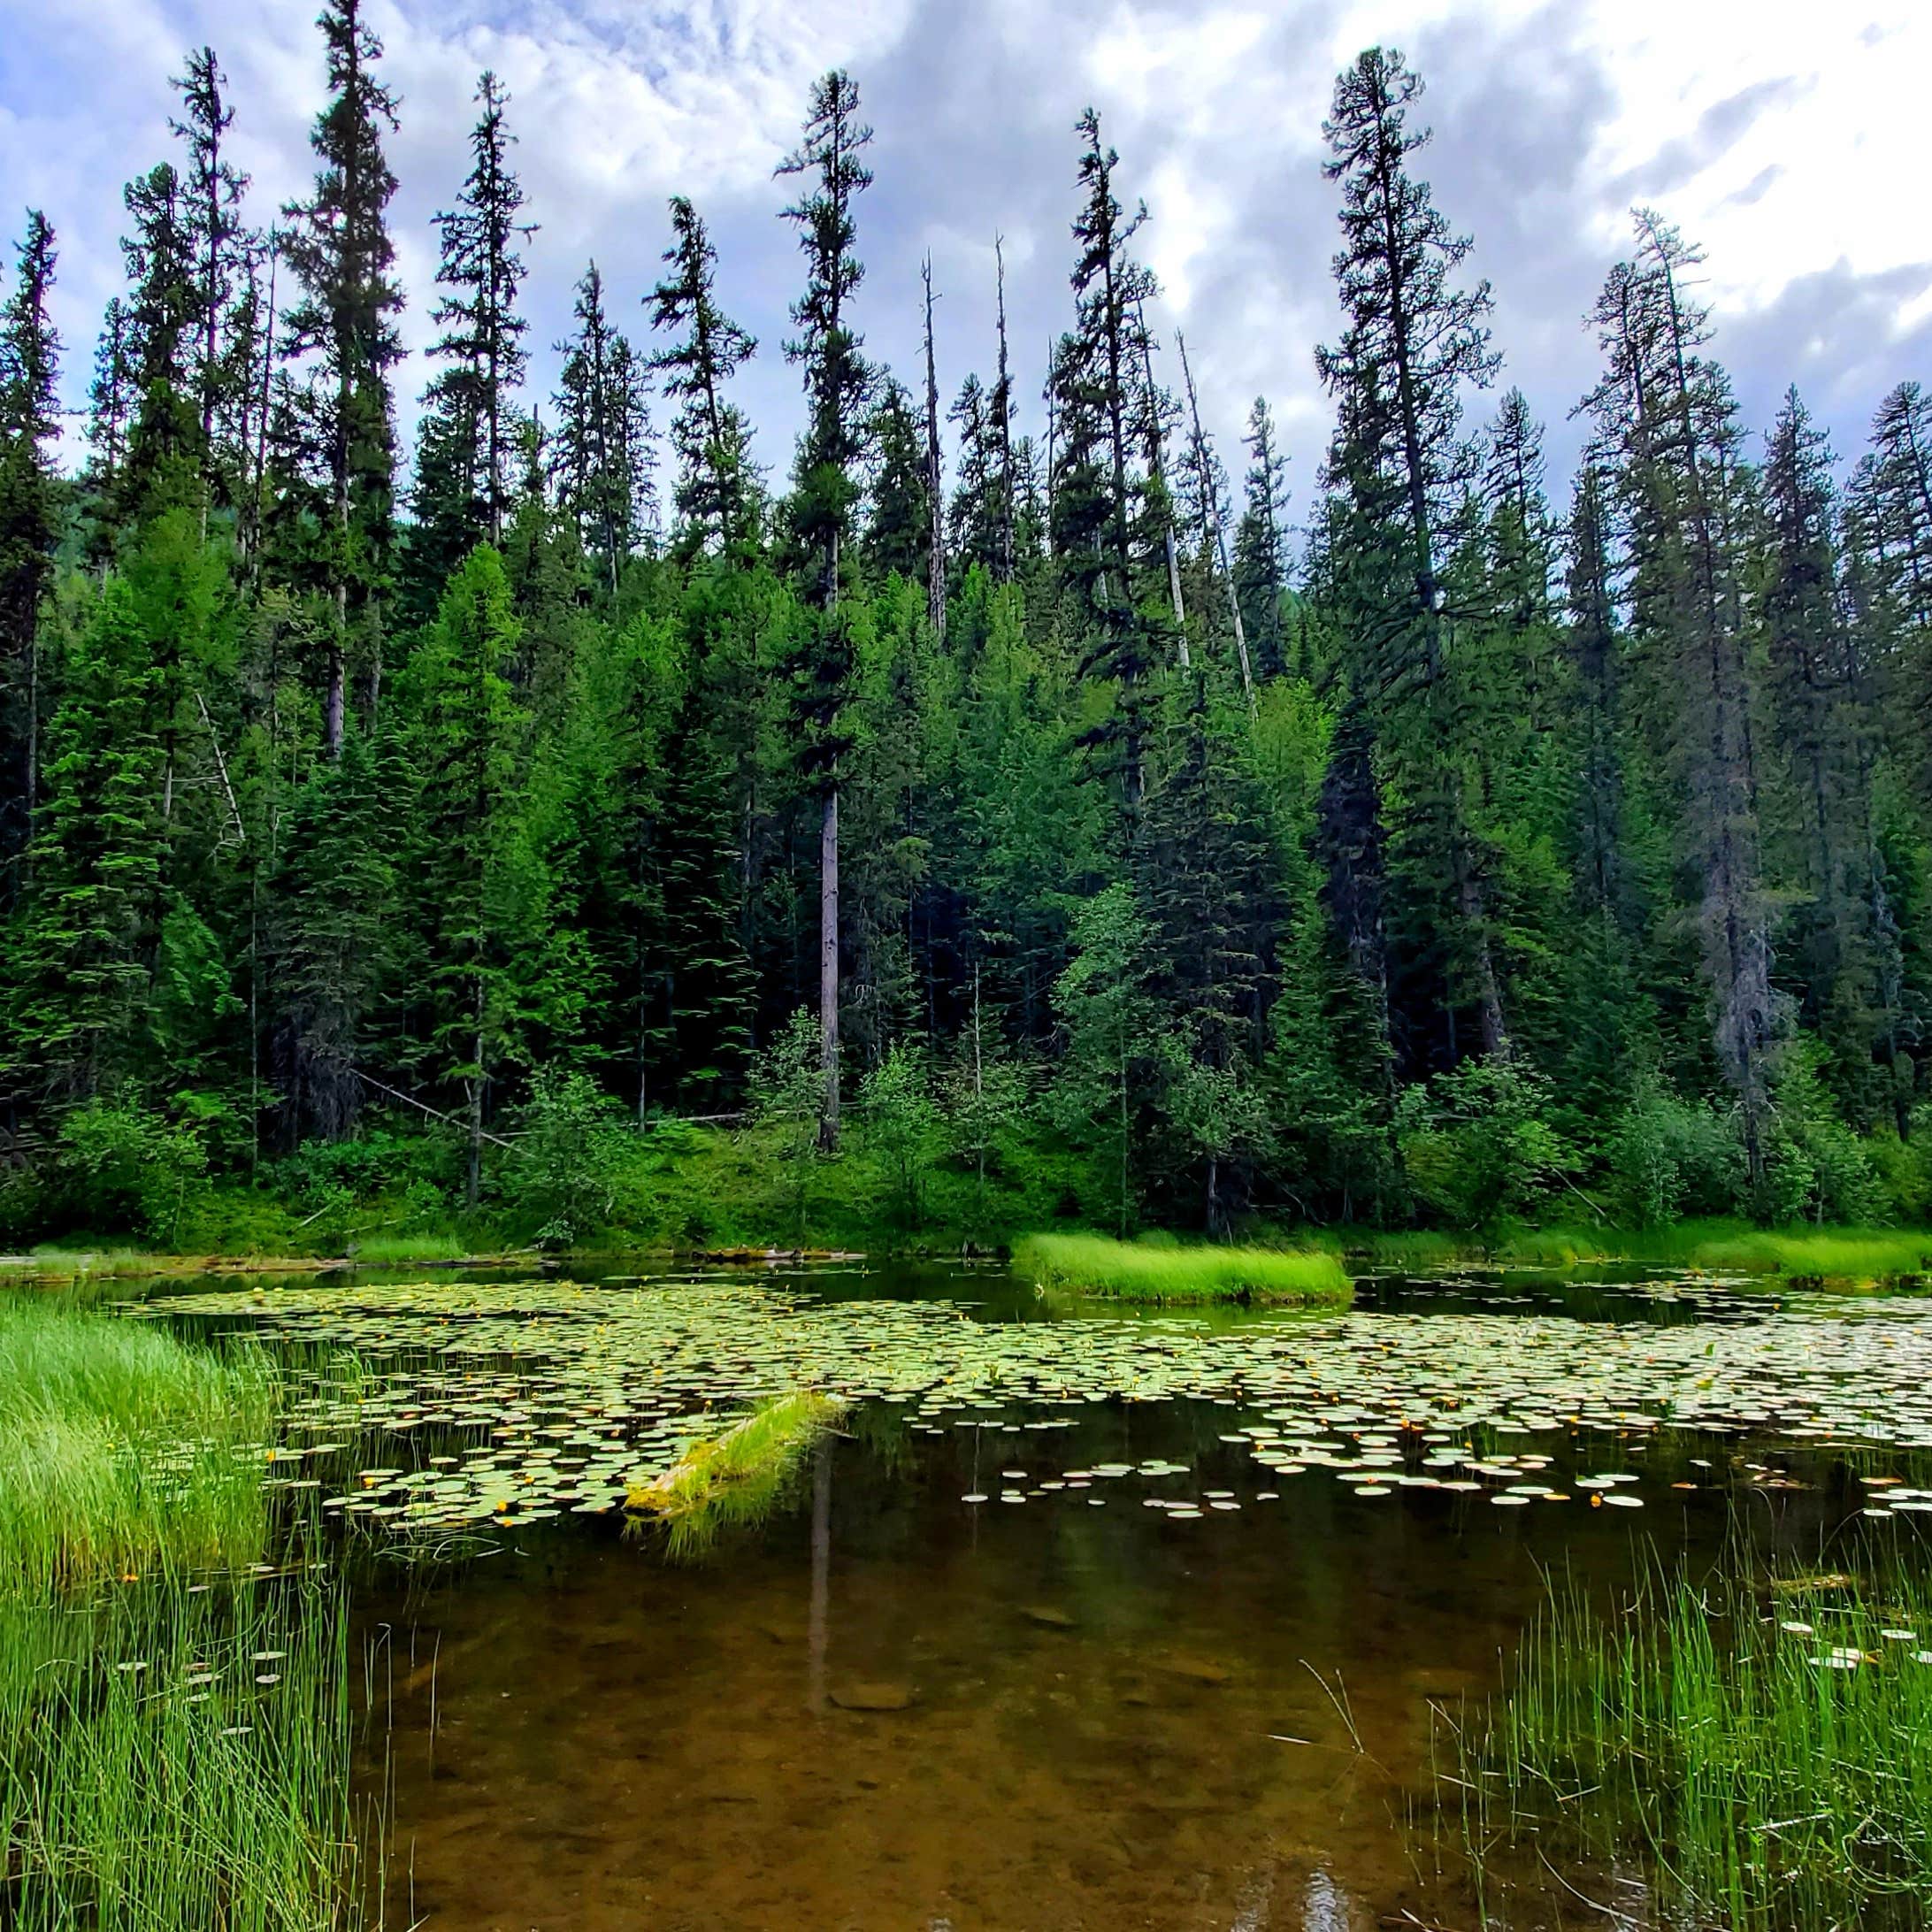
[{"x": 544, "y": 1397}]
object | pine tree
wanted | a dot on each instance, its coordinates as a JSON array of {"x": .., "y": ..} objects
[
  {"x": 29, "y": 527},
  {"x": 164, "y": 456},
  {"x": 836, "y": 381},
  {"x": 717, "y": 488},
  {"x": 465, "y": 749},
  {"x": 337, "y": 244}
]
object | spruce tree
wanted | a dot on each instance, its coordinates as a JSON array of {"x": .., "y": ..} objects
[
  {"x": 716, "y": 490},
  {"x": 219, "y": 246},
  {"x": 337, "y": 242},
  {"x": 837, "y": 379},
  {"x": 29, "y": 527},
  {"x": 463, "y": 497},
  {"x": 1260, "y": 543}
]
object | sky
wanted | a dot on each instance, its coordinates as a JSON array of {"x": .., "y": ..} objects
[{"x": 1782, "y": 135}]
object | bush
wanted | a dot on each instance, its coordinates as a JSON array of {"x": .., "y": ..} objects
[
  {"x": 1669, "y": 1158},
  {"x": 902, "y": 1126},
  {"x": 574, "y": 1152},
  {"x": 128, "y": 1169},
  {"x": 1476, "y": 1143}
]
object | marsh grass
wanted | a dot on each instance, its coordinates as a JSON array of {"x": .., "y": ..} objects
[
  {"x": 1767, "y": 1789},
  {"x": 1168, "y": 1272},
  {"x": 737, "y": 1478},
  {"x": 122, "y": 1449},
  {"x": 149, "y": 1782},
  {"x": 407, "y": 1250}
]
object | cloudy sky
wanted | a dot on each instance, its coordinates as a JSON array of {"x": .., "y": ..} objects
[{"x": 1785, "y": 135}]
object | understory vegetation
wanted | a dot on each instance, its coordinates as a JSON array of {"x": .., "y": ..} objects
[
  {"x": 1762, "y": 1750},
  {"x": 552, "y": 821},
  {"x": 1168, "y": 1272}
]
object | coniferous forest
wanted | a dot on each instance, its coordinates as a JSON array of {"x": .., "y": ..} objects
[{"x": 567, "y": 819}]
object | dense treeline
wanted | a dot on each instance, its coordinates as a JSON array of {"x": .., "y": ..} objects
[{"x": 1062, "y": 802}]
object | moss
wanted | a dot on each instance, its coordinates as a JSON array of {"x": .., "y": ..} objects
[{"x": 739, "y": 1477}]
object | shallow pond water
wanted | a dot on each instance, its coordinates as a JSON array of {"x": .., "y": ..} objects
[{"x": 1188, "y": 1662}]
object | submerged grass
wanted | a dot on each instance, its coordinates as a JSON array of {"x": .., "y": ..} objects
[
  {"x": 122, "y": 1449},
  {"x": 173, "y": 1761},
  {"x": 1771, "y": 1755},
  {"x": 1158, "y": 1272},
  {"x": 727, "y": 1481}
]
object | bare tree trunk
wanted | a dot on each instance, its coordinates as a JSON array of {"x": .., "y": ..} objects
[
  {"x": 1211, "y": 511},
  {"x": 828, "y": 969},
  {"x": 935, "y": 479}
]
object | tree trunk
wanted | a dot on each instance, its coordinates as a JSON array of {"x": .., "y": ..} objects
[{"x": 828, "y": 969}]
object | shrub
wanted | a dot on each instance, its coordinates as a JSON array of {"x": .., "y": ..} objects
[
  {"x": 127, "y": 1168},
  {"x": 1476, "y": 1143},
  {"x": 1669, "y": 1158}
]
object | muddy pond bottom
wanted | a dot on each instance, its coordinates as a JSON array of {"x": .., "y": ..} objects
[{"x": 893, "y": 1708}]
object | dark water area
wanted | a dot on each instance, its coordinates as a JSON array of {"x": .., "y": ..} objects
[{"x": 890, "y": 1707}]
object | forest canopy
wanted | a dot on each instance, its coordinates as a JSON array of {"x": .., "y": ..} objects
[{"x": 1423, "y": 841}]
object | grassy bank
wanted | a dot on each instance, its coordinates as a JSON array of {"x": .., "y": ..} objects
[
  {"x": 739, "y": 1477},
  {"x": 1163, "y": 1272},
  {"x": 1717, "y": 1247},
  {"x": 123, "y": 1450},
  {"x": 1769, "y": 1755},
  {"x": 173, "y": 1728}
]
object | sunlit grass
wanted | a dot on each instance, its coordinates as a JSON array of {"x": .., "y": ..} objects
[
  {"x": 1775, "y": 1776},
  {"x": 727, "y": 1481},
  {"x": 402, "y": 1250},
  {"x": 1158, "y": 1272},
  {"x": 122, "y": 1449}
]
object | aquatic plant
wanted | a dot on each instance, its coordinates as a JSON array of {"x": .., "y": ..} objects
[
  {"x": 121, "y": 1447},
  {"x": 1148, "y": 1272},
  {"x": 725, "y": 1481},
  {"x": 174, "y": 1758},
  {"x": 1768, "y": 1752}
]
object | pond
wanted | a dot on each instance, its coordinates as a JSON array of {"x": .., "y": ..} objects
[{"x": 1086, "y": 1620}]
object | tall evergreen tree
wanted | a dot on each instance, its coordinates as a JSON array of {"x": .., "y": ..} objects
[
  {"x": 716, "y": 490},
  {"x": 836, "y": 381},
  {"x": 29, "y": 526},
  {"x": 337, "y": 244}
]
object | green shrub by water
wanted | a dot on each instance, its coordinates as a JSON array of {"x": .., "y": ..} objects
[
  {"x": 1162, "y": 1272},
  {"x": 1774, "y": 1776},
  {"x": 122, "y": 1448}
]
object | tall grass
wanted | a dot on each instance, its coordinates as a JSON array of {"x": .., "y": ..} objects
[
  {"x": 152, "y": 1781},
  {"x": 739, "y": 1477},
  {"x": 122, "y": 1448},
  {"x": 1158, "y": 1272},
  {"x": 1774, "y": 1777}
]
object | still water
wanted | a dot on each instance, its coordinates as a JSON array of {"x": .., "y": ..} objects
[{"x": 1058, "y": 1708}]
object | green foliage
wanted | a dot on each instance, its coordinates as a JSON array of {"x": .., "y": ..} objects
[
  {"x": 1476, "y": 1143},
  {"x": 1668, "y": 1157},
  {"x": 129, "y": 1169},
  {"x": 903, "y": 1125},
  {"x": 573, "y": 1149},
  {"x": 788, "y": 1084}
]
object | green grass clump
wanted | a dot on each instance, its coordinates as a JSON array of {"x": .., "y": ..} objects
[
  {"x": 121, "y": 1449},
  {"x": 1149, "y": 1271},
  {"x": 152, "y": 1781},
  {"x": 1774, "y": 1777},
  {"x": 402, "y": 1250},
  {"x": 739, "y": 1477}
]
